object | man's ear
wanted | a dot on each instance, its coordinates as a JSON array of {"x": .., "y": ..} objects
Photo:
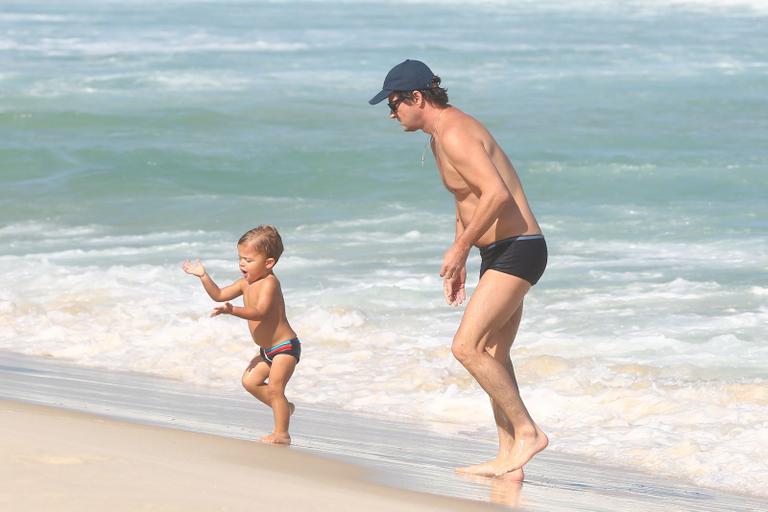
[
  {"x": 269, "y": 263},
  {"x": 418, "y": 98}
]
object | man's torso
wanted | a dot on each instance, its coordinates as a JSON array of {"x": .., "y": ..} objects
[{"x": 516, "y": 218}]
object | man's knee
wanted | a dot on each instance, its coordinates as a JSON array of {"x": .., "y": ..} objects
[{"x": 464, "y": 351}]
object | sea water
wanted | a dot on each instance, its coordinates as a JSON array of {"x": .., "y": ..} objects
[{"x": 136, "y": 134}]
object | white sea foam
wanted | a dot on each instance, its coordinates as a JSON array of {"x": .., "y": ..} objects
[
  {"x": 48, "y": 230},
  {"x": 641, "y": 6},
  {"x": 150, "y": 43},
  {"x": 181, "y": 80},
  {"x": 7, "y": 17},
  {"x": 187, "y": 81},
  {"x": 147, "y": 45},
  {"x": 655, "y": 372},
  {"x": 718, "y": 253}
]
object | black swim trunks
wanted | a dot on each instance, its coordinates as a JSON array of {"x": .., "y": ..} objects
[
  {"x": 522, "y": 256},
  {"x": 291, "y": 347}
]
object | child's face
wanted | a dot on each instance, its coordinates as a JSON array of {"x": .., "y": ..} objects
[{"x": 254, "y": 264}]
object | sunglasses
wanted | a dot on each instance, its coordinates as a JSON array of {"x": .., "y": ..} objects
[{"x": 393, "y": 105}]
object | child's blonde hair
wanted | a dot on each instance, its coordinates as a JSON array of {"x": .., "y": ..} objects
[{"x": 265, "y": 239}]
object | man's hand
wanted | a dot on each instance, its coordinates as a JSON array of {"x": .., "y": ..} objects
[
  {"x": 226, "y": 309},
  {"x": 454, "y": 288},
  {"x": 193, "y": 267},
  {"x": 454, "y": 260}
]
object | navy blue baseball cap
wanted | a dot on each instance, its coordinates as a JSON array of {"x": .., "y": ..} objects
[{"x": 409, "y": 75}]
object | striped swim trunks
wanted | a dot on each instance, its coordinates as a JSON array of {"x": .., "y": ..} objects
[{"x": 290, "y": 347}]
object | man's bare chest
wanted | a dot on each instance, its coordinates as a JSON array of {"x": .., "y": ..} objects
[{"x": 453, "y": 181}]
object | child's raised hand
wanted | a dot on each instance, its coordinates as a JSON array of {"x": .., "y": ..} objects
[
  {"x": 226, "y": 309},
  {"x": 193, "y": 267}
]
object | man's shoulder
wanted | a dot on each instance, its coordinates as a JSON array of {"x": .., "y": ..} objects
[{"x": 461, "y": 129}]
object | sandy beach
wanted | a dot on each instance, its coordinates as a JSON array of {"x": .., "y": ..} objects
[
  {"x": 70, "y": 461},
  {"x": 78, "y": 438}
]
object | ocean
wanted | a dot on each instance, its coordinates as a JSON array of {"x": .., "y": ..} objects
[{"x": 137, "y": 134}]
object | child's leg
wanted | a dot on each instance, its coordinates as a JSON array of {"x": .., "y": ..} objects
[
  {"x": 255, "y": 379},
  {"x": 279, "y": 374}
]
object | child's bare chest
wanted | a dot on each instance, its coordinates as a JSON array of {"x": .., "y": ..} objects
[{"x": 251, "y": 294}]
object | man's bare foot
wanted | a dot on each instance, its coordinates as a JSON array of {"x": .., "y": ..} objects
[
  {"x": 490, "y": 469},
  {"x": 523, "y": 450},
  {"x": 276, "y": 438},
  {"x": 513, "y": 476},
  {"x": 482, "y": 469}
]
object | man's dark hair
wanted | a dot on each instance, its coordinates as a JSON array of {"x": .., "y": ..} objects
[{"x": 435, "y": 95}]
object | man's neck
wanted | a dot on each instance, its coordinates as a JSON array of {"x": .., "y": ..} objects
[{"x": 433, "y": 119}]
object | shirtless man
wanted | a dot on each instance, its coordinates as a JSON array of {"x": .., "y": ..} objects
[{"x": 492, "y": 213}]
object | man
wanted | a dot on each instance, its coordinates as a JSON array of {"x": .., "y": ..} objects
[{"x": 492, "y": 213}]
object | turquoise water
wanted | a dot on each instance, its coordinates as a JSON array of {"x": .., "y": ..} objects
[{"x": 136, "y": 134}]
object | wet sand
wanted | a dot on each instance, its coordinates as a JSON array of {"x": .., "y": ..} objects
[{"x": 172, "y": 441}]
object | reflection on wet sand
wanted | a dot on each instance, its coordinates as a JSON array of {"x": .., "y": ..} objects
[{"x": 504, "y": 490}]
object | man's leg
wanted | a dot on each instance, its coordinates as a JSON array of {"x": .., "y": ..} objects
[
  {"x": 279, "y": 374},
  {"x": 496, "y": 298},
  {"x": 498, "y": 346}
]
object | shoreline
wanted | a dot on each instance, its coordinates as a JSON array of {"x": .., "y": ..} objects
[
  {"x": 388, "y": 454},
  {"x": 74, "y": 461}
]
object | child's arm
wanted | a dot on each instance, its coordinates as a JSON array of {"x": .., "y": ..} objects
[
  {"x": 218, "y": 294},
  {"x": 259, "y": 305}
]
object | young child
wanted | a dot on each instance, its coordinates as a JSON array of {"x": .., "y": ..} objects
[{"x": 268, "y": 373}]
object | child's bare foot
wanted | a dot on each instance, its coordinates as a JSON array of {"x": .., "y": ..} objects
[
  {"x": 523, "y": 450},
  {"x": 274, "y": 438},
  {"x": 283, "y": 438}
]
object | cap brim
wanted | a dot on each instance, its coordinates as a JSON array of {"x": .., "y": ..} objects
[{"x": 379, "y": 97}]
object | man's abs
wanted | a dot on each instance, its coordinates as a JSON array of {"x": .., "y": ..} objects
[{"x": 510, "y": 222}]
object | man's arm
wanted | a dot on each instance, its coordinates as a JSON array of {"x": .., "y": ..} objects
[
  {"x": 467, "y": 155},
  {"x": 459, "y": 228},
  {"x": 453, "y": 288}
]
